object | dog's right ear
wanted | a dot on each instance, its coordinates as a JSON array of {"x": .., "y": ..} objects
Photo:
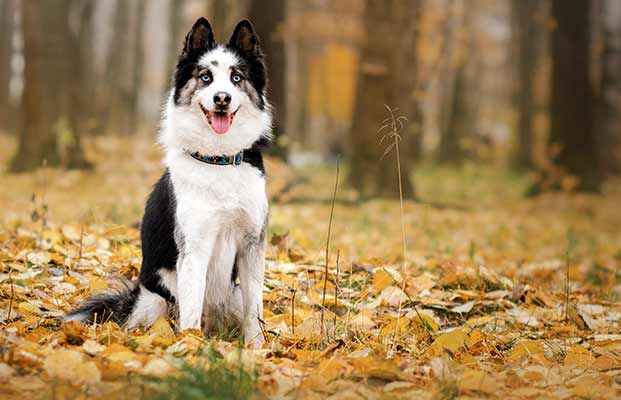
[{"x": 200, "y": 37}]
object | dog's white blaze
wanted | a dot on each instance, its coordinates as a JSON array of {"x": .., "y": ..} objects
[{"x": 221, "y": 63}]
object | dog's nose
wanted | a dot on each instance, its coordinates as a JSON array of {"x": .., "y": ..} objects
[{"x": 222, "y": 99}]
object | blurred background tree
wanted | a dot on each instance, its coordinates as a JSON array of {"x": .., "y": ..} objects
[
  {"x": 387, "y": 77},
  {"x": 527, "y": 84}
]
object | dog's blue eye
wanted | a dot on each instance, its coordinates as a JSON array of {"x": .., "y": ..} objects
[
  {"x": 236, "y": 78},
  {"x": 206, "y": 78}
]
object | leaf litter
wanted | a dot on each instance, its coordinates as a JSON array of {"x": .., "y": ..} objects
[{"x": 495, "y": 319}]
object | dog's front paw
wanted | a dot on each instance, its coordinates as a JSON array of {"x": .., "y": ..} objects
[
  {"x": 189, "y": 323},
  {"x": 253, "y": 336}
]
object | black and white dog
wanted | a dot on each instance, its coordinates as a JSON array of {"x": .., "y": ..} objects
[{"x": 204, "y": 226}]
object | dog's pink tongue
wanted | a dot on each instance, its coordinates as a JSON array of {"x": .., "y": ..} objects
[{"x": 221, "y": 122}]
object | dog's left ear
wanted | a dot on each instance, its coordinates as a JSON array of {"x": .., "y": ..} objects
[{"x": 245, "y": 40}]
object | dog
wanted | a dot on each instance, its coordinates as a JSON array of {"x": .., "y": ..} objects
[{"x": 204, "y": 227}]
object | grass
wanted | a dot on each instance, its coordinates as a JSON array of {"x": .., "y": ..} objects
[{"x": 211, "y": 377}]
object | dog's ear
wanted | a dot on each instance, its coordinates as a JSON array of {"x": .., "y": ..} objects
[
  {"x": 245, "y": 40},
  {"x": 200, "y": 37}
]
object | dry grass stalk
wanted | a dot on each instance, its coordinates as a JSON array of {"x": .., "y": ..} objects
[
  {"x": 325, "y": 278},
  {"x": 393, "y": 126}
]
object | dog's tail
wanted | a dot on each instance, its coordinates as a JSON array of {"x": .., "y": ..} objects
[{"x": 115, "y": 305}]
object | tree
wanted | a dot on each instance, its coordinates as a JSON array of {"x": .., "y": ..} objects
[
  {"x": 117, "y": 94},
  {"x": 451, "y": 88},
  {"x": 387, "y": 76},
  {"x": 49, "y": 132},
  {"x": 610, "y": 94},
  {"x": 268, "y": 25},
  {"x": 523, "y": 13},
  {"x": 6, "y": 37},
  {"x": 572, "y": 99},
  {"x": 459, "y": 123}
]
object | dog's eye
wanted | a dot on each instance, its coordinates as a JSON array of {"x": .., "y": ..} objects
[
  {"x": 236, "y": 78},
  {"x": 205, "y": 78}
]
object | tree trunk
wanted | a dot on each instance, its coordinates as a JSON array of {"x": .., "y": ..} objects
[
  {"x": 450, "y": 149},
  {"x": 523, "y": 13},
  {"x": 450, "y": 85},
  {"x": 51, "y": 89},
  {"x": 610, "y": 100},
  {"x": 268, "y": 17},
  {"x": 571, "y": 106},
  {"x": 387, "y": 77},
  {"x": 42, "y": 33},
  {"x": 79, "y": 83},
  {"x": 6, "y": 51}
]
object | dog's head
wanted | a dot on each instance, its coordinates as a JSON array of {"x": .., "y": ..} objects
[{"x": 218, "y": 103}]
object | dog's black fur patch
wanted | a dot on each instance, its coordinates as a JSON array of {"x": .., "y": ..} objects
[{"x": 157, "y": 233}]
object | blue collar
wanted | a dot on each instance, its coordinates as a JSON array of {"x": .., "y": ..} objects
[{"x": 219, "y": 160}]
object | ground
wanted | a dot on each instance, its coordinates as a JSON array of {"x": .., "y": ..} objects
[{"x": 498, "y": 296}]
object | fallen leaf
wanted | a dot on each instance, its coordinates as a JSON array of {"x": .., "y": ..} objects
[{"x": 69, "y": 365}]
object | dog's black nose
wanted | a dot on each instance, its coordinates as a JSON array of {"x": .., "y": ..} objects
[{"x": 222, "y": 99}]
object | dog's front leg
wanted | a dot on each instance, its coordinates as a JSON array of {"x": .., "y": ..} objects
[
  {"x": 251, "y": 271},
  {"x": 191, "y": 282}
]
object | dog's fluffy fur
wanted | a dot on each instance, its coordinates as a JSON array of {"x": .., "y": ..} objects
[{"x": 204, "y": 225}]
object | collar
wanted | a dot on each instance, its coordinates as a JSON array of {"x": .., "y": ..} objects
[{"x": 234, "y": 160}]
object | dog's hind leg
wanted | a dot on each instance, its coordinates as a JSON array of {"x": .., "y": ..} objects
[{"x": 148, "y": 308}]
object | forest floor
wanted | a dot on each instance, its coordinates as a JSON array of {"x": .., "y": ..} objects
[{"x": 498, "y": 296}]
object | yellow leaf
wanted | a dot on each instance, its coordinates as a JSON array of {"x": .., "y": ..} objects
[
  {"x": 451, "y": 341},
  {"x": 362, "y": 322},
  {"x": 606, "y": 363},
  {"x": 163, "y": 333},
  {"x": 527, "y": 349},
  {"x": 382, "y": 279},
  {"x": 29, "y": 308},
  {"x": 392, "y": 296},
  {"x": 477, "y": 381},
  {"x": 98, "y": 285},
  {"x": 309, "y": 329},
  {"x": 372, "y": 368},
  {"x": 332, "y": 368},
  {"x": 157, "y": 367},
  {"x": 578, "y": 356},
  {"x": 69, "y": 365},
  {"x": 395, "y": 327}
]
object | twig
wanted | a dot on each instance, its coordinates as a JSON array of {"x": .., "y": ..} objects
[
  {"x": 262, "y": 326},
  {"x": 293, "y": 312},
  {"x": 323, "y": 298},
  {"x": 8, "y": 318},
  {"x": 325, "y": 280},
  {"x": 571, "y": 242},
  {"x": 336, "y": 283},
  {"x": 81, "y": 246}
]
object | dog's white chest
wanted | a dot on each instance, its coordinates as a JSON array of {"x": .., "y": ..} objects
[{"x": 225, "y": 199}]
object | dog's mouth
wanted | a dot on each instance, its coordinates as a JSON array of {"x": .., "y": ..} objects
[{"x": 219, "y": 121}]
